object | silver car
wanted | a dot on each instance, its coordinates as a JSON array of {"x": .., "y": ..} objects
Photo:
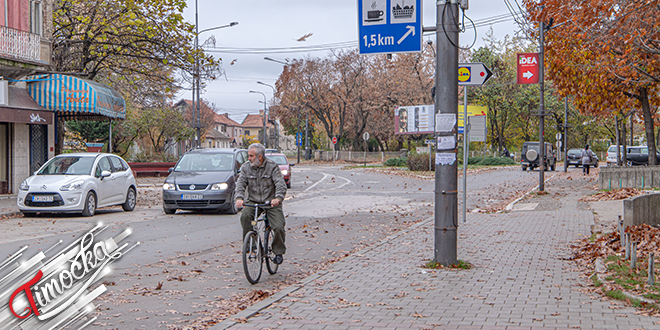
[{"x": 78, "y": 183}]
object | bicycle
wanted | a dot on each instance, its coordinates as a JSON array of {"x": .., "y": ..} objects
[{"x": 258, "y": 246}]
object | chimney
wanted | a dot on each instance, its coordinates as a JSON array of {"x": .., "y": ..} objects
[
  {"x": 227, "y": 115},
  {"x": 261, "y": 112}
]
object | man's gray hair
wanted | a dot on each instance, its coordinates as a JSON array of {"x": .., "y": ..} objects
[{"x": 259, "y": 149}]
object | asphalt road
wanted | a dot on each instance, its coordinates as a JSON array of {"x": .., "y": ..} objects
[{"x": 187, "y": 270}]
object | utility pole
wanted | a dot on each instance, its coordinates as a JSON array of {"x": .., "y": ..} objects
[
  {"x": 565, "y": 134},
  {"x": 446, "y": 169},
  {"x": 306, "y": 137},
  {"x": 541, "y": 111},
  {"x": 297, "y": 134}
]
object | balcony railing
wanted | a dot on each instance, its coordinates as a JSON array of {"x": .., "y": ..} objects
[{"x": 20, "y": 44}]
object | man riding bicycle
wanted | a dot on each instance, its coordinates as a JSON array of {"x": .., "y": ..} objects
[{"x": 264, "y": 182}]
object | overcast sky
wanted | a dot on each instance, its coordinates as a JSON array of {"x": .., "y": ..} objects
[{"x": 271, "y": 28}]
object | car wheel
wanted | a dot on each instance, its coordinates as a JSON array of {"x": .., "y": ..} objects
[
  {"x": 169, "y": 211},
  {"x": 630, "y": 163},
  {"x": 288, "y": 184},
  {"x": 577, "y": 165},
  {"x": 29, "y": 214},
  {"x": 232, "y": 207},
  {"x": 89, "y": 209},
  {"x": 524, "y": 168},
  {"x": 552, "y": 168},
  {"x": 131, "y": 200}
]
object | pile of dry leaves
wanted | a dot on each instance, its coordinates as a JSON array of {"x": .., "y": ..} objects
[
  {"x": 616, "y": 271},
  {"x": 612, "y": 195}
]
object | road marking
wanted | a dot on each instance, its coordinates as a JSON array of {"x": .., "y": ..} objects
[
  {"x": 345, "y": 183},
  {"x": 325, "y": 175}
]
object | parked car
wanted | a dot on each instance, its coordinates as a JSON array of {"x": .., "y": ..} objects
[
  {"x": 285, "y": 167},
  {"x": 639, "y": 155},
  {"x": 272, "y": 151},
  {"x": 611, "y": 154},
  {"x": 574, "y": 157},
  {"x": 530, "y": 156},
  {"x": 78, "y": 183},
  {"x": 203, "y": 180}
]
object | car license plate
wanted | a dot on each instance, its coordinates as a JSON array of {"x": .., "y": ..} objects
[
  {"x": 42, "y": 198},
  {"x": 191, "y": 196}
]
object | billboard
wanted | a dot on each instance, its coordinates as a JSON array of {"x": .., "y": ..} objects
[{"x": 419, "y": 119}]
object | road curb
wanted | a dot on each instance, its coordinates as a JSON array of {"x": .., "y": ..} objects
[
  {"x": 510, "y": 206},
  {"x": 11, "y": 214},
  {"x": 258, "y": 307}
]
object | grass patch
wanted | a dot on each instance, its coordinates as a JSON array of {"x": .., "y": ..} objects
[
  {"x": 460, "y": 264},
  {"x": 597, "y": 283},
  {"x": 618, "y": 295}
]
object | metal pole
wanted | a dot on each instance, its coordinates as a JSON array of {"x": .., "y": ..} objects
[
  {"x": 306, "y": 137},
  {"x": 297, "y": 134},
  {"x": 110, "y": 139},
  {"x": 541, "y": 112},
  {"x": 565, "y": 134},
  {"x": 632, "y": 140},
  {"x": 446, "y": 170},
  {"x": 466, "y": 145},
  {"x": 618, "y": 143},
  {"x": 195, "y": 106}
]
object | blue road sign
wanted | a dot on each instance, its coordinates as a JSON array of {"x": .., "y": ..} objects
[
  {"x": 299, "y": 139},
  {"x": 390, "y": 26}
]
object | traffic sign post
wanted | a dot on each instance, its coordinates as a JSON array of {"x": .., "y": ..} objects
[
  {"x": 528, "y": 68},
  {"x": 389, "y": 26}
]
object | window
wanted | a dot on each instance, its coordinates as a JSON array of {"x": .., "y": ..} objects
[
  {"x": 247, "y": 132},
  {"x": 103, "y": 165},
  {"x": 116, "y": 164},
  {"x": 36, "y": 18}
]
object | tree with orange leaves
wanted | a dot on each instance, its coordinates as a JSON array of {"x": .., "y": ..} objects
[{"x": 605, "y": 53}]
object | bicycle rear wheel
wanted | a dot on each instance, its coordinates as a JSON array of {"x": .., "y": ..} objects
[
  {"x": 270, "y": 264},
  {"x": 252, "y": 257}
]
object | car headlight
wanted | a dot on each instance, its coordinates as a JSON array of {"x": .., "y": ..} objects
[
  {"x": 72, "y": 186},
  {"x": 24, "y": 186},
  {"x": 219, "y": 186},
  {"x": 285, "y": 172},
  {"x": 169, "y": 186}
]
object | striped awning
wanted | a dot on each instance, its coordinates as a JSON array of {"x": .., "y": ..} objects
[{"x": 75, "y": 97}]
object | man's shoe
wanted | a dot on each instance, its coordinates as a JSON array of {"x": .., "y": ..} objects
[{"x": 278, "y": 259}]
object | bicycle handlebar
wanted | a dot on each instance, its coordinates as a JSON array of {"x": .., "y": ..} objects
[{"x": 257, "y": 205}]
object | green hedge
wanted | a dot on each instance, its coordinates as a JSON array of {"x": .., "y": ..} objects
[
  {"x": 490, "y": 161},
  {"x": 398, "y": 162}
]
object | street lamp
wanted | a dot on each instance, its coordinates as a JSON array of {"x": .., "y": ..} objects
[
  {"x": 265, "y": 114},
  {"x": 277, "y": 129},
  {"x": 195, "y": 89},
  {"x": 274, "y": 60}
]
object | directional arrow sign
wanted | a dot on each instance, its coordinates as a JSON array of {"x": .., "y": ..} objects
[
  {"x": 390, "y": 26},
  {"x": 528, "y": 68},
  {"x": 473, "y": 74}
]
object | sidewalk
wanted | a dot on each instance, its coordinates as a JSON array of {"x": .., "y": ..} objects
[
  {"x": 8, "y": 206},
  {"x": 520, "y": 280}
]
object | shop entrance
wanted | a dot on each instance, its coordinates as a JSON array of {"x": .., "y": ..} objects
[{"x": 38, "y": 146}]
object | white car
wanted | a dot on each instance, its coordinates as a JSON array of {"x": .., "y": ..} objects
[
  {"x": 611, "y": 154},
  {"x": 78, "y": 183}
]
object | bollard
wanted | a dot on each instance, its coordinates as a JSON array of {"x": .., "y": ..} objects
[
  {"x": 642, "y": 182},
  {"x": 622, "y": 232},
  {"x": 609, "y": 186},
  {"x": 651, "y": 269},
  {"x": 633, "y": 256},
  {"x": 627, "y": 246},
  {"x": 620, "y": 183}
]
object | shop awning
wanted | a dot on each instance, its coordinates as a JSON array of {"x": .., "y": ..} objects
[{"x": 75, "y": 97}]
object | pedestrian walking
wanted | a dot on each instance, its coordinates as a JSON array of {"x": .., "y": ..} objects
[{"x": 587, "y": 159}]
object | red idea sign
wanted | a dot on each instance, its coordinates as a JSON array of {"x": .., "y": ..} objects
[
  {"x": 334, "y": 140},
  {"x": 528, "y": 68}
]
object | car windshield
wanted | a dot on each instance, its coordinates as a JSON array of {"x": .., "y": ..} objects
[
  {"x": 574, "y": 152},
  {"x": 68, "y": 165},
  {"x": 534, "y": 147},
  {"x": 198, "y": 162},
  {"x": 279, "y": 159}
]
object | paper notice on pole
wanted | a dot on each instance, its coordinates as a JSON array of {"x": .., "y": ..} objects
[
  {"x": 445, "y": 158},
  {"x": 445, "y": 122},
  {"x": 446, "y": 143}
]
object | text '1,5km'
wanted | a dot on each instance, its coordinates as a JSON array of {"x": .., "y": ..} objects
[{"x": 390, "y": 26}]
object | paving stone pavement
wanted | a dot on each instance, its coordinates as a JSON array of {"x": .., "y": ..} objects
[{"x": 520, "y": 280}]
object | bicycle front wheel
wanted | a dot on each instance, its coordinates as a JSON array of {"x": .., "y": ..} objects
[
  {"x": 270, "y": 264},
  {"x": 252, "y": 257}
]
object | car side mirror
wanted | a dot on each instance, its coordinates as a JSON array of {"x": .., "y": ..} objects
[
  {"x": 170, "y": 170},
  {"x": 292, "y": 164},
  {"x": 105, "y": 174}
]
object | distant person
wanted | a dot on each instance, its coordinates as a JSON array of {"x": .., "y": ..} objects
[
  {"x": 506, "y": 153},
  {"x": 587, "y": 157}
]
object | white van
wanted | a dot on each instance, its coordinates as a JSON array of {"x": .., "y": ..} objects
[{"x": 611, "y": 154}]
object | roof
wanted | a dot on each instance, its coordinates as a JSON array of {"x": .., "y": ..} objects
[
  {"x": 224, "y": 119},
  {"x": 215, "y": 134},
  {"x": 188, "y": 104},
  {"x": 254, "y": 120}
]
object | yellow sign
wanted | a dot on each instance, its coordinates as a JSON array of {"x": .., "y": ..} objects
[
  {"x": 463, "y": 74},
  {"x": 472, "y": 110}
]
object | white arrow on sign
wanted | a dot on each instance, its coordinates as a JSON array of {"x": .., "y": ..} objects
[
  {"x": 411, "y": 29},
  {"x": 528, "y": 75}
]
